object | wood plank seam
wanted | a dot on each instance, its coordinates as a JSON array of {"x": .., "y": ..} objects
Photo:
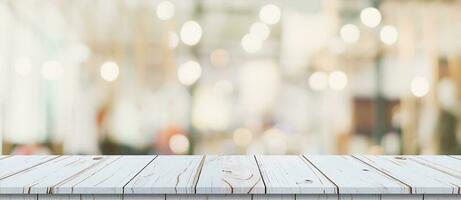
[
  {"x": 398, "y": 180},
  {"x": 433, "y": 167},
  {"x": 75, "y": 175},
  {"x": 262, "y": 178},
  {"x": 29, "y": 168},
  {"x": 123, "y": 188},
  {"x": 456, "y": 157},
  {"x": 304, "y": 158},
  {"x": 197, "y": 176}
]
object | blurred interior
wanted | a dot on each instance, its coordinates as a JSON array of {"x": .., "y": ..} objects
[{"x": 230, "y": 77}]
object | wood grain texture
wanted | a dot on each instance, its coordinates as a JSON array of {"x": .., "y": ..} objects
[
  {"x": 292, "y": 175},
  {"x": 11, "y": 165},
  {"x": 112, "y": 178},
  {"x": 230, "y": 175},
  {"x": 17, "y": 197},
  {"x": 144, "y": 197},
  {"x": 352, "y": 176},
  {"x": 40, "y": 179},
  {"x": 58, "y": 197},
  {"x": 209, "y": 197},
  {"x": 421, "y": 178},
  {"x": 274, "y": 197},
  {"x": 167, "y": 175},
  {"x": 67, "y": 186},
  {"x": 445, "y": 164},
  {"x": 441, "y": 197}
]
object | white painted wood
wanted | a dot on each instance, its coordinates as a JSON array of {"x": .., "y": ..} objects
[
  {"x": 101, "y": 197},
  {"x": 58, "y": 197},
  {"x": 230, "y": 175},
  {"x": 421, "y": 178},
  {"x": 441, "y": 197},
  {"x": 14, "y": 164},
  {"x": 39, "y": 179},
  {"x": 402, "y": 196},
  {"x": 112, "y": 179},
  {"x": 208, "y": 197},
  {"x": 456, "y": 156},
  {"x": 359, "y": 197},
  {"x": 144, "y": 197},
  {"x": 445, "y": 164},
  {"x": 67, "y": 186},
  {"x": 274, "y": 197},
  {"x": 17, "y": 197},
  {"x": 292, "y": 175},
  {"x": 167, "y": 175},
  {"x": 354, "y": 177}
]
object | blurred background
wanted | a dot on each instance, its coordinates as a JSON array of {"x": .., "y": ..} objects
[{"x": 230, "y": 77}]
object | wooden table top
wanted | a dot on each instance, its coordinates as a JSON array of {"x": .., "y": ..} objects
[{"x": 303, "y": 174}]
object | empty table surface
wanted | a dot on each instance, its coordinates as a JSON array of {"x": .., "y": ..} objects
[{"x": 230, "y": 177}]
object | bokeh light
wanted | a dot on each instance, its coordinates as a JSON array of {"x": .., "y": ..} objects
[
  {"x": 419, "y": 86},
  {"x": 370, "y": 17},
  {"x": 173, "y": 40},
  {"x": 189, "y": 72},
  {"x": 191, "y": 33},
  {"x": 337, "y": 80},
  {"x": 350, "y": 33},
  {"x": 251, "y": 43},
  {"x": 260, "y": 30},
  {"x": 109, "y": 71},
  {"x": 270, "y": 14},
  {"x": 389, "y": 35},
  {"x": 179, "y": 144},
  {"x": 165, "y": 10},
  {"x": 318, "y": 81}
]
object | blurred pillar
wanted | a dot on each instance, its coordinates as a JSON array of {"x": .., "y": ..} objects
[{"x": 379, "y": 124}]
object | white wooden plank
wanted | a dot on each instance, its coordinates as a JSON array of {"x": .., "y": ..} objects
[
  {"x": 208, "y": 197},
  {"x": 58, "y": 197},
  {"x": 167, "y": 175},
  {"x": 144, "y": 197},
  {"x": 359, "y": 197},
  {"x": 441, "y": 197},
  {"x": 17, "y": 197},
  {"x": 14, "y": 164},
  {"x": 101, "y": 197},
  {"x": 67, "y": 186},
  {"x": 456, "y": 156},
  {"x": 274, "y": 197},
  {"x": 402, "y": 196},
  {"x": 112, "y": 178},
  {"x": 230, "y": 175},
  {"x": 421, "y": 178},
  {"x": 317, "y": 197},
  {"x": 292, "y": 175},
  {"x": 354, "y": 177},
  {"x": 445, "y": 164},
  {"x": 39, "y": 179}
]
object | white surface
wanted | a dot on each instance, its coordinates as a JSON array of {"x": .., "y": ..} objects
[
  {"x": 292, "y": 175},
  {"x": 14, "y": 164},
  {"x": 421, "y": 178},
  {"x": 167, "y": 175},
  {"x": 354, "y": 177},
  {"x": 230, "y": 175}
]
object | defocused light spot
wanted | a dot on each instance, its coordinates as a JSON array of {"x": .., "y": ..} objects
[
  {"x": 173, "y": 40},
  {"x": 349, "y": 33},
  {"x": 223, "y": 87},
  {"x": 219, "y": 58},
  {"x": 52, "y": 70},
  {"x": 419, "y": 86},
  {"x": 242, "y": 137},
  {"x": 270, "y": 14},
  {"x": 318, "y": 81},
  {"x": 370, "y": 17},
  {"x": 260, "y": 30},
  {"x": 337, "y": 80},
  {"x": 23, "y": 66},
  {"x": 109, "y": 71},
  {"x": 191, "y": 33},
  {"x": 251, "y": 44},
  {"x": 165, "y": 10},
  {"x": 275, "y": 141},
  {"x": 179, "y": 144},
  {"x": 189, "y": 72},
  {"x": 389, "y": 35}
]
